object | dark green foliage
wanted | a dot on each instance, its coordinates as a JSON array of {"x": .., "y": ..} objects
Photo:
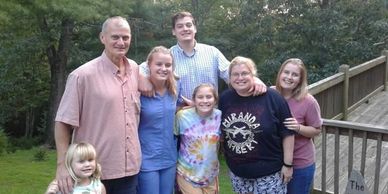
[
  {"x": 3, "y": 141},
  {"x": 323, "y": 36},
  {"x": 24, "y": 143},
  {"x": 40, "y": 154}
]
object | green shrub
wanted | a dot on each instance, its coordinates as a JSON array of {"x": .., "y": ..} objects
[
  {"x": 25, "y": 143},
  {"x": 40, "y": 154}
]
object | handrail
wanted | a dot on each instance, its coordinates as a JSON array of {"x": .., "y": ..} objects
[
  {"x": 344, "y": 91},
  {"x": 338, "y": 95},
  {"x": 352, "y": 130}
]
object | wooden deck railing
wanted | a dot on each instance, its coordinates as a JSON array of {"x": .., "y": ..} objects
[
  {"x": 355, "y": 137},
  {"x": 343, "y": 92},
  {"x": 338, "y": 95}
]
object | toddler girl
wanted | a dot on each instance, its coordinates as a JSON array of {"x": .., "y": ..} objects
[{"x": 83, "y": 168}]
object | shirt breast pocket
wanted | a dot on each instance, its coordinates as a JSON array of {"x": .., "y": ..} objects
[{"x": 134, "y": 103}]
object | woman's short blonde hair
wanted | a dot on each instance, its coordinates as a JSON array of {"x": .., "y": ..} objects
[{"x": 245, "y": 61}]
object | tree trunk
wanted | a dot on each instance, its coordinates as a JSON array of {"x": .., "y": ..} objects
[
  {"x": 29, "y": 123},
  {"x": 58, "y": 60}
]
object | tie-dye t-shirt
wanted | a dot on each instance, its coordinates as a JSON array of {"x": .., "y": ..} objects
[{"x": 197, "y": 158}]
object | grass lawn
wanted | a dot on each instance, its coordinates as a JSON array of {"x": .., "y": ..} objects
[{"x": 21, "y": 174}]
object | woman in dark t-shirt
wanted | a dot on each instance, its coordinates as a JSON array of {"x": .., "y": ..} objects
[{"x": 258, "y": 147}]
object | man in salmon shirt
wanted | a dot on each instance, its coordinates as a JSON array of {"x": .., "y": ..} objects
[{"x": 100, "y": 106}]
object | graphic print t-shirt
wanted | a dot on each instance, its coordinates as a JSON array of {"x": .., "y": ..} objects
[{"x": 252, "y": 131}]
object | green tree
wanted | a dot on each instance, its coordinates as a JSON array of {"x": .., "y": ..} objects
[{"x": 49, "y": 35}]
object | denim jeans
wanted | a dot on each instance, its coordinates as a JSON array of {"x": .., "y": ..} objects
[
  {"x": 301, "y": 180},
  {"x": 123, "y": 185}
]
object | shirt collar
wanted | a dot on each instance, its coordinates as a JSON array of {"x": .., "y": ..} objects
[
  {"x": 107, "y": 63},
  {"x": 195, "y": 50}
]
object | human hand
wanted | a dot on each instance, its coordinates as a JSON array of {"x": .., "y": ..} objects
[
  {"x": 286, "y": 174},
  {"x": 188, "y": 102},
  {"x": 145, "y": 87},
  {"x": 258, "y": 88},
  {"x": 52, "y": 188},
  {"x": 64, "y": 180},
  {"x": 292, "y": 124}
]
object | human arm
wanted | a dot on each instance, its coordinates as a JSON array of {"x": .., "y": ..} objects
[
  {"x": 103, "y": 190},
  {"x": 187, "y": 102},
  {"x": 307, "y": 119},
  {"x": 145, "y": 86},
  {"x": 62, "y": 140},
  {"x": 288, "y": 150},
  {"x": 259, "y": 87}
]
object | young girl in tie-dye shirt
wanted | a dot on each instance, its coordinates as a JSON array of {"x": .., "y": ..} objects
[{"x": 198, "y": 128}]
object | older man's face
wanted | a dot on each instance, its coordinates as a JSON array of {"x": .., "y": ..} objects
[{"x": 116, "y": 38}]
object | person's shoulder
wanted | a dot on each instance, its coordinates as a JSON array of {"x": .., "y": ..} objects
[
  {"x": 175, "y": 48},
  {"x": 272, "y": 91},
  {"x": 226, "y": 92},
  {"x": 205, "y": 46},
  {"x": 274, "y": 94},
  {"x": 86, "y": 68},
  {"x": 185, "y": 111},
  {"x": 310, "y": 99},
  {"x": 132, "y": 62},
  {"x": 217, "y": 111}
]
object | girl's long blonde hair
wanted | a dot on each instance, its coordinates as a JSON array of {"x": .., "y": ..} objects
[
  {"x": 301, "y": 90},
  {"x": 171, "y": 81},
  {"x": 84, "y": 151}
]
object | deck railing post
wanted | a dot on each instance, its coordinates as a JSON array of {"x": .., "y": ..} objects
[
  {"x": 385, "y": 53},
  {"x": 345, "y": 98}
]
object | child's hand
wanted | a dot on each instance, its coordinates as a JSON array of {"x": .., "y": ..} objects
[{"x": 53, "y": 187}]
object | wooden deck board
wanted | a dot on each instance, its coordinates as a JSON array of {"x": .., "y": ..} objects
[{"x": 374, "y": 112}]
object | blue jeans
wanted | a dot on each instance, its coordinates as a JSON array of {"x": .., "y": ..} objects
[
  {"x": 123, "y": 185},
  {"x": 301, "y": 180},
  {"x": 157, "y": 182}
]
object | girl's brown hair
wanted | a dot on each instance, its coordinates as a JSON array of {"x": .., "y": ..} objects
[{"x": 206, "y": 85}]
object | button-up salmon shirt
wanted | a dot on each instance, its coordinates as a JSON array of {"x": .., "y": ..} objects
[{"x": 104, "y": 110}]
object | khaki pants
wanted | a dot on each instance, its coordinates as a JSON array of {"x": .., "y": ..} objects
[{"x": 187, "y": 188}]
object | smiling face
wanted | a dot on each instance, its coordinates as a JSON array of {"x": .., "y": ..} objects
[
  {"x": 241, "y": 79},
  {"x": 204, "y": 100},
  {"x": 160, "y": 65},
  {"x": 184, "y": 29},
  {"x": 116, "y": 37},
  {"x": 290, "y": 77},
  {"x": 83, "y": 168}
]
